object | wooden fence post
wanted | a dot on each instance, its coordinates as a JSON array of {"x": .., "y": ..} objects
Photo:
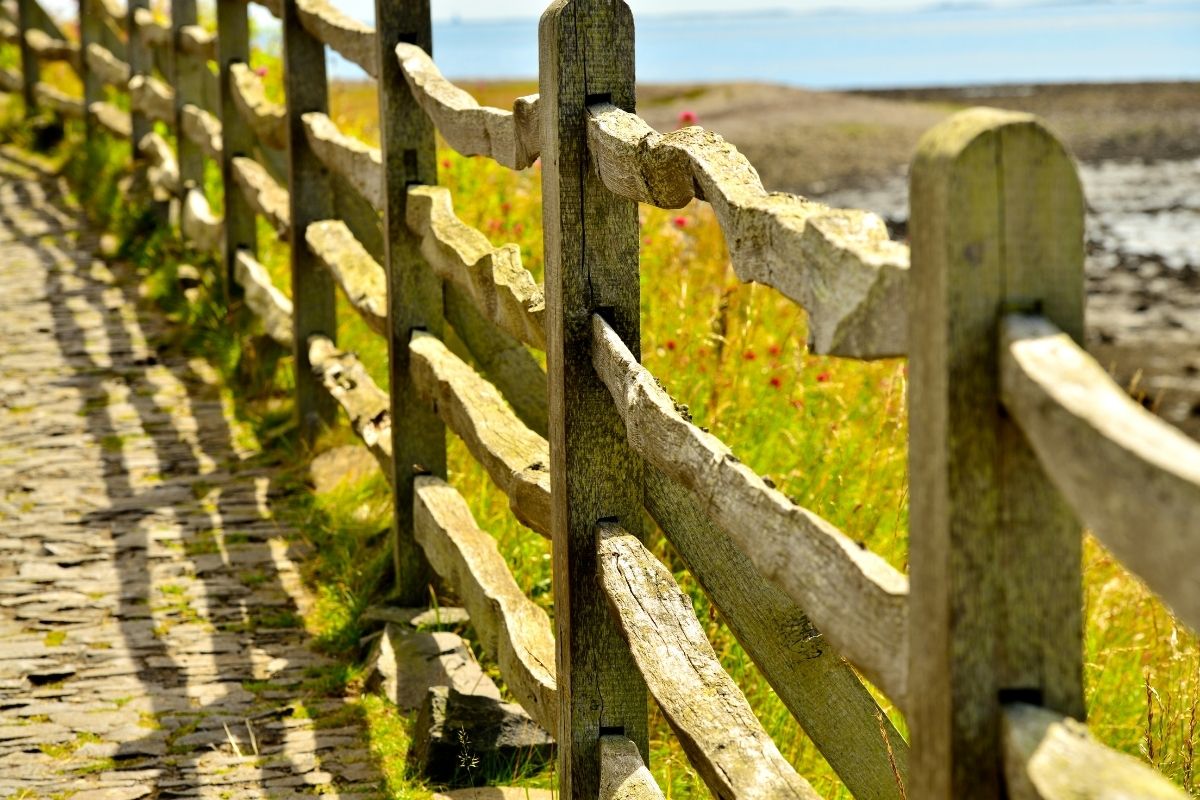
[
  {"x": 591, "y": 246},
  {"x": 310, "y": 200},
  {"x": 140, "y": 63},
  {"x": 30, "y": 68},
  {"x": 90, "y": 23},
  {"x": 233, "y": 47},
  {"x": 994, "y": 554},
  {"x": 415, "y": 302},
  {"x": 187, "y": 75}
]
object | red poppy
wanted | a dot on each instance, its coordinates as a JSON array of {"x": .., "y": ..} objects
[
  {"x": 775, "y": 381},
  {"x": 446, "y": 164},
  {"x": 774, "y": 349},
  {"x": 824, "y": 377},
  {"x": 261, "y": 72},
  {"x": 670, "y": 344},
  {"x": 749, "y": 355},
  {"x": 680, "y": 222},
  {"x": 687, "y": 118}
]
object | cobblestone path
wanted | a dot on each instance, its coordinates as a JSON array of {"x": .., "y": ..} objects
[{"x": 149, "y": 637}]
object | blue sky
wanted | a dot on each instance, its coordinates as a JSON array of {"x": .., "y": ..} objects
[{"x": 490, "y": 9}]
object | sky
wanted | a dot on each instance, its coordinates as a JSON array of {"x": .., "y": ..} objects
[{"x": 490, "y": 9}]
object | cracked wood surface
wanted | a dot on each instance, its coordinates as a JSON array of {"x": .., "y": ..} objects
[
  {"x": 723, "y": 739},
  {"x": 839, "y": 265},
  {"x": 1132, "y": 479},
  {"x": 268, "y": 120},
  {"x": 493, "y": 276},
  {"x": 367, "y": 406},
  {"x": 853, "y": 596},
  {"x": 511, "y": 138},
  {"x": 515, "y": 457},
  {"x": 511, "y": 628},
  {"x": 361, "y": 277},
  {"x": 141, "y": 562},
  {"x": 623, "y": 774},
  {"x": 358, "y": 163}
]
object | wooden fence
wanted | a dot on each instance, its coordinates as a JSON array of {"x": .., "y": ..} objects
[{"x": 1017, "y": 436}]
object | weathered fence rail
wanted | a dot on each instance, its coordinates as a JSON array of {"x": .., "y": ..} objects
[{"x": 982, "y": 653}]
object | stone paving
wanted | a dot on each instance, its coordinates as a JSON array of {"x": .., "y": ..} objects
[{"x": 150, "y": 643}]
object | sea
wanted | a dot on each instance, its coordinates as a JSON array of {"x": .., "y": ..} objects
[{"x": 949, "y": 44}]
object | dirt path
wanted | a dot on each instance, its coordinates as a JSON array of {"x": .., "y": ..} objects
[{"x": 149, "y": 604}]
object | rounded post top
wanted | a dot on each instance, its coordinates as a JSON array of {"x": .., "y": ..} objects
[{"x": 953, "y": 136}]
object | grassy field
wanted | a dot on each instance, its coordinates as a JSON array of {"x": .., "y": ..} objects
[{"x": 831, "y": 434}]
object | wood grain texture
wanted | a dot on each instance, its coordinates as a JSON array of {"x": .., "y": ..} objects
[
  {"x": 840, "y": 265},
  {"x": 723, "y": 739},
  {"x": 263, "y": 194},
  {"x": 408, "y": 154},
  {"x": 233, "y": 139},
  {"x": 623, "y": 774},
  {"x": 513, "y": 629},
  {"x": 268, "y": 120},
  {"x": 111, "y": 118},
  {"x": 514, "y": 456},
  {"x": 1133, "y": 479},
  {"x": 347, "y": 381},
  {"x": 349, "y": 37},
  {"x": 994, "y": 554},
  {"x": 502, "y": 359},
  {"x": 591, "y": 242},
  {"x": 200, "y": 227},
  {"x": 204, "y": 129},
  {"x": 1051, "y": 757},
  {"x": 493, "y": 276},
  {"x": 359, "y": 164},
  {"x": 511, "y": 138},
  {"x": 820, "y": 689},
  {"x": 854, "y": 597},
  {"x": 361, "y": 277}
]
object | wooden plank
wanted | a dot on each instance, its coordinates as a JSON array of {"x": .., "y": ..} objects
[
  {"x": 623, "y": 774},
  {"x": 408, "y": 151},
  {"x": 273, "y": 307},
  {"x": 58, "y": 101},
  {"x": 591, "y": 242},
  {"x": 111, "y": 118},
  {"x": 1133, "y": 479},
  {"x": 205, "y": 130},
  {"x": 11, "y": 80},
  {"x": 48, "y": 48},
  {"x": 854, "y": 597},
  {"x": 201, "y": 228},
  {"x": 1051, "y": 757},
  {"x": 188, "y": 66},
  {"x": 514, "y": 456},
  {"x": 994, "y": 554},
  {"x": 164, "y": 169},
  {"x": 502, "y": 359},
  {"x": 153, "y": 99},
  {"x": 307, "y": 90},
  {"x": 264, "y": 195},
  {"x": 107, "y": 68},
  {"x": 235, "y": 140},
  {"x": 361, "y": 277},
  {"x": 500, "y": 286},
  {"x": 345, "y": 379},
  {"x": 267, "y": 119},
  {"x": 512, "y": 138},
  {"x": 195, "y": 40},
  {"x": 723, "y": 739},
  {"x": 805, "y": 670},
  {"x": 840, "y": 265},
  {"x": 150, "y": 31},
  {"x": 514, "y": 630},
  {"x": 356, "y": 162},
  {"x": 349, "y": 37},
  {"x": 30, "y": 69},
  {"x": 140, "y": 66}
]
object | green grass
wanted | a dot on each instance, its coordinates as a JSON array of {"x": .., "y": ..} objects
[{"x": 832, "y": 434}]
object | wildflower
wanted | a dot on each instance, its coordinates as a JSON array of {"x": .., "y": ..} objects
[
  {"x": 647, "y": 241},
  {"x": 446, "y": 163},
  {"x": 824, "y": 377},
  {"x": 670, "y": 344},
  {"x": 680, "y": 222},
  {"x": 494, "y": 225},
  {"x": 506, "y": 207},
  {"x": 775, "y": 382},
  {"x": 261, "y": 72},
  {"x": 519, "y": 229},
  {"x": 774, "y": 349},
  {"x": 687, "y": 118},
  {"x": 749, "y": 355}
]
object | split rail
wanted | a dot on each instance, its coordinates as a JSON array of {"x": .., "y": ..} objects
[{"x": 1017, "y": 435}]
